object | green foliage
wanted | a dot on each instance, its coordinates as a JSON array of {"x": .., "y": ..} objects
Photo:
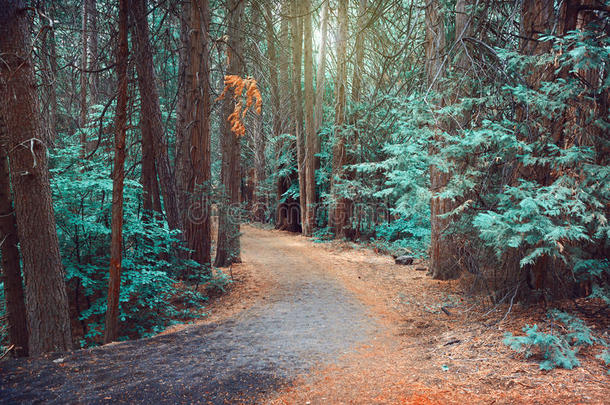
[
  {"x": 151, "y": 298},
  {"x": 557, "y": 349}
]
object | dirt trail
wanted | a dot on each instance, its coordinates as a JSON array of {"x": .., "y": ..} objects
[
  {"x": 310, "y": 323},
  {"x": 306, "y": 319}
]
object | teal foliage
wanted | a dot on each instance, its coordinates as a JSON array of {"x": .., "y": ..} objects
[
  {"x": 529, "y": 169},
  {"x": 150, "y": 297},
  {"x": 557, "y": 349}
]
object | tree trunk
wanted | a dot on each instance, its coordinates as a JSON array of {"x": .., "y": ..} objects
[
  {"x": 83, "y": 82},
  {"x": 273, "y": 82},
  {"x": 150, "y": 117},
  {"x": 228, "y": 247},
  {"x": 196, "y": 145},
  {"x": 537, "y": 18},
  {"x": 111, "y": 332},
  {"x": 185, "y": 94},
  {"x": 287, "y": 212},
  {"x": 11, "y": 267},
  {"x": 297, "y": 100},
  {"x": 46, "y": 298},
  {"x": 320, "y": 84},
  {"x": 93, "y": 52},
  {"x": 339, "y": 215},
  {"x": 310, "y": 133},
  {"x": 442, "y": 264}
]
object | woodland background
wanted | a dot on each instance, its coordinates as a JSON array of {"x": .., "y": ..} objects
[{"x": 470, "y": 133}]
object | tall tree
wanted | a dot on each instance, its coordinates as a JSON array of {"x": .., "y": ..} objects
[
  {"x": 92, "y": 37},
  {"x": 45, "y": 290},
  {"x": 196, "y": 146},
  {"x": 297, "y": 99},
  {"x": 320, "y": 78},
  {"x": 111, "y": 332},
  {"x": 441, "y": 263},
  {"x": 83, "y": 79},
  {"x": 11, "y": 267},
  {"x": 288, "y": 210},
  {"x": 228, "y": 246},
  {"x": 273, "y": 80},
  {"x": 151, "y": 120},
  {"x": 310, "y": 132},
  {"x": 339, "y": 214}
]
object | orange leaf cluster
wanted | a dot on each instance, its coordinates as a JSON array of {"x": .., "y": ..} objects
[{"x": 253, "y": 96}]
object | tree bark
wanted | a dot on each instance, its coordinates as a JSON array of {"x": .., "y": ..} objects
[
  {"x": 287, "y": 212},
  {"x": 196, "y": 146},
  {"x": 11, "y": 267},
  {"x": 83, "y": 81},
  {"x": 320, "y": 84},
  {"x": 339, "y": 215},
  {"x": 150, "y": 117},
  {"x": 297, "y": 100},
  {"x": 228, "y": 246},
  {"x": 111, "y": 332},
  {"x": 46, "y": 298},
  {"x": 93, "y": 51},
  {"x": 310, "y": 133},
  {"x": 442, "y": 264},
  {"x": 275, "y": 88}
]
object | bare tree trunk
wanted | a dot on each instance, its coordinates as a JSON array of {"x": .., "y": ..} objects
[
  {"x": 274, "y": 84},
  {"x": 46, "y": 298},
  {"x": 182, "y": 158},
  {"x": 111, "y": 332},
  {"x": 196, "y": 145},
  {"x": 258, "y": 209},
  {"x": 441, "y": 261},
  {"x": 228, "y": 248},
  {"x": 339, "y": 215},
  {"x": 150, "y": 116},
  {"x": 297, "y": 100},
  {"x": 288, "y": 212},
  {"x": 83, "y": 82},
  {"x": 11, "y": 267},
  {"x": 310, "y": 133},
  {"x": 320, "y": 83},
  {"x": 93, "y": 51}
]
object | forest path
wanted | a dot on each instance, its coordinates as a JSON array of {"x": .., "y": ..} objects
[{"x": 305, "y": 318}]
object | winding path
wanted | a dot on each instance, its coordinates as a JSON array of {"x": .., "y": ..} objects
[{"x": 308, "y": 318}]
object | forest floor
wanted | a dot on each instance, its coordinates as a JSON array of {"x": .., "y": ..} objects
[{"x": 317, "y": 323}]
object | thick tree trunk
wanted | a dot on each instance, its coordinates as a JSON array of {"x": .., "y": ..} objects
[
  {"x": 537, "y": 18},
  {"x": 228, "y": 248},
  {"x": 339, "y": 215},
  {"x": 196, "y": 145},
  {"x": 310, "y": 134},
  {"x": 442, "y": 263},
  {"x": 297, "y": 100},
  {"x": 151, "y": 120},
  {"x": 111, "y": 332},
  {"x": 11, "y": 267},
  {"x": 46, "y": 298},
  {"x": 182, "y": 158}
]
